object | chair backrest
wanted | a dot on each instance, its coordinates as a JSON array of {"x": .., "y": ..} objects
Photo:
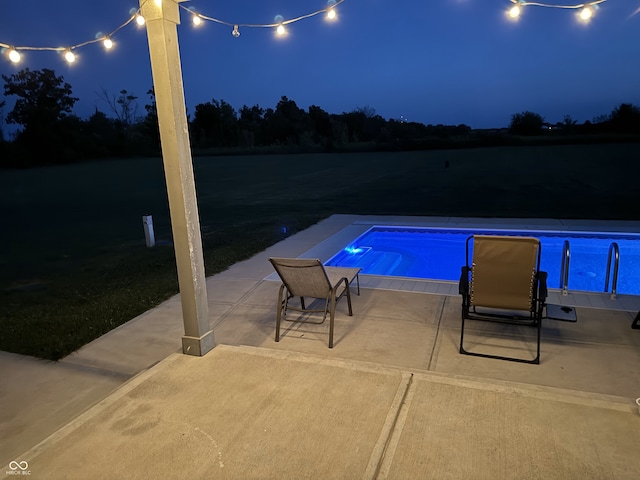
[
  {"x": 303, "y": 277},
  {"x": 503, "y": 271}
]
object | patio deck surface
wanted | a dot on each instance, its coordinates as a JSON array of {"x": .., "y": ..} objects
[{"x": 392, "y": 399}]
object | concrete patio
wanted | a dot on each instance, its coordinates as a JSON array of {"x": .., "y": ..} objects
[{"x": 392, "y": 399}]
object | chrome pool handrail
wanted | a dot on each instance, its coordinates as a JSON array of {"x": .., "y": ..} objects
[
  {"x": 564, "y": 267},
  {"x": 613, "y": 248}
]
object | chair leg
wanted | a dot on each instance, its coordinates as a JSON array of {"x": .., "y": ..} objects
[
  {"x": 279, "y": 313},
  {"x": 462, "y": 350},
  {"x": 349, "y": 299},
  {"x": 465, "y": 312},
  {"x": 331, "y": 317}
]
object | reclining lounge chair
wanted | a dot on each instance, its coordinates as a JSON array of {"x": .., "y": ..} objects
[
  {"x": 503, "y": 284},
  {"x": 305, "y": 277}
]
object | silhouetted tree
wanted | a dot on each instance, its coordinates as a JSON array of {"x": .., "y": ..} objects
[
  {"x": 568, "y": 124},
  {"x": 124, "y": 106},
  {"x": 526, "y": 123},
  {"x": 215, "y": 124},
  {"x": 250, "y": 125},
  {"x": 149, "y": 126},
  {"x": 363, "y": 124},
  {"x": 625, "y": 118},
  {"x": 102, "y": 131},
  {"x": 286, "y": 123},
  {"x": 44, "y": 100},
  {"x": 2, "y": 104},
  {"x": 322, "y": 128}
]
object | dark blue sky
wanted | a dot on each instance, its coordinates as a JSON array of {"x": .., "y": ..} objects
[{"x": 435, "y": 61}]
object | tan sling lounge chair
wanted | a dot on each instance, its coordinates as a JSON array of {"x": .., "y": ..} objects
[
  {"x": 306, "y": 277},
  {"x": 504, "y": 284}
]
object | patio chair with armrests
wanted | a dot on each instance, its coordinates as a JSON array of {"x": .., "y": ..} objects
[
  {"x": 308, "y": 278},
  {"x": 503, "y": 284}
]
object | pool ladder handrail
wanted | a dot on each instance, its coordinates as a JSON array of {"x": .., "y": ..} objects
[
  {"x": 613, "y": 248},
  {"x": 564, "y": 267}
]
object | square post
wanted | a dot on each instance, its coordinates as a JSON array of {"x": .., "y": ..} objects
[{"x": 162, "y": 18}]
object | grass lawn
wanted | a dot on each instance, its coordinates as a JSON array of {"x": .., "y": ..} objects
[{"x": 73, "y": 264}]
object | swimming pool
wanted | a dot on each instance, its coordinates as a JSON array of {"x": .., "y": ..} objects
[{"x": 438, "y": 254}]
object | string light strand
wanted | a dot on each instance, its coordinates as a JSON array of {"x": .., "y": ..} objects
[
  {"x": 586, "y": 9},
  {"x": 76, "y": 46},
  {"x": 331, "y": 6},
  {"x": 135, "y": 15},
  {"x": 550, "y": 5}
]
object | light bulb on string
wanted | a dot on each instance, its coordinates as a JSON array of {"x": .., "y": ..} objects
[
  {"x": 197, "y": 20},
  {"x": 331, "y": 11},
  {"x": 140, "y": 20},
  {"x": 69, "y": 56},
  {"x": 107, "y": 43},
  {"x": 14, "y": 55},
  {"x": 586, "y": 13},
  {"x": 280, "y": 30},
  {"x": 515, "y": 11},
  {"x": 236, "y": 31}
]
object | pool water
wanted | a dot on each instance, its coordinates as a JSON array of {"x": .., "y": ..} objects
[{"x": 438, "y": 254}]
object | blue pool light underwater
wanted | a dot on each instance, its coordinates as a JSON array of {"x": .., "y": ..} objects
[{"x": 438, "y": 254}]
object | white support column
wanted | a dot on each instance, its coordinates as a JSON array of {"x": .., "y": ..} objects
[{"x": 162, "y": 18}]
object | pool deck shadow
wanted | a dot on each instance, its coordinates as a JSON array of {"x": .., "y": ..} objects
[{"x": 393, "y": 399}]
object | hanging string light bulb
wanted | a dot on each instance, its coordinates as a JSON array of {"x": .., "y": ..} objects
[
  {"x": 139, "y": 19},
  {"x": 236, "y": 31},
  {"x": 14, "y": 55},
  {"x": 586, "y": 13},
  {"x": 107, "y": 43},
  {"x": 331, "y": 12},
  {"x": 69, "y": 56},
  {"x": 515, "y": 11},
  {"x": 197, "y": 20}
]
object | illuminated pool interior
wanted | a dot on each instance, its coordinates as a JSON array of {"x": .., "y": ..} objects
[{"x": 438, "y": 254}]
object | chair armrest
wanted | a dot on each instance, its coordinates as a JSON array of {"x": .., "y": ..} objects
[
  {"x": 542, "y": 285},
  {"x": 463, "y": 286}
]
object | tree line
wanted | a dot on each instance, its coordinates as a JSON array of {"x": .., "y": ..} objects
[{"x": 49, "y": 132}]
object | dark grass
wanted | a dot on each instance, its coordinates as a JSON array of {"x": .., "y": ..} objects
[{"x": 73, "y": 263}]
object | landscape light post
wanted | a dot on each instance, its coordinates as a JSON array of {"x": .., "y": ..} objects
[{"x": 162, "y": 18}]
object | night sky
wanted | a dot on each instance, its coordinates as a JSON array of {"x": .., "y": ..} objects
[{"x": 431, "y": 61}]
